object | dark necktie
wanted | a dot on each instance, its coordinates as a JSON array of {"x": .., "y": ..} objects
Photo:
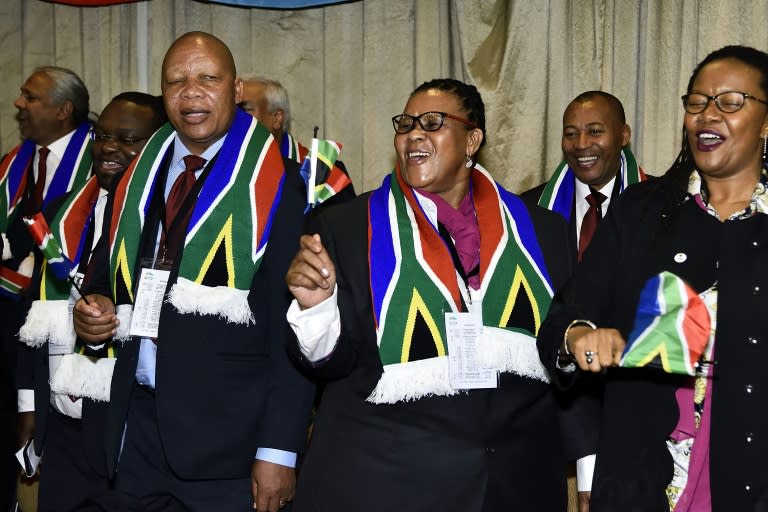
[
  {"x": 42, "y": 170},
  {"x": 172, "y": 235},
  {"x": 590, "y": 220},
  {"x": 181, "y": 187}
]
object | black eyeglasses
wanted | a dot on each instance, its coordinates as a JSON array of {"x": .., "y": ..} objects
[
  {"x": 727, "y": 102},
  {"x": 125, "y": 141},
  {"x": 429, "y": 121}
]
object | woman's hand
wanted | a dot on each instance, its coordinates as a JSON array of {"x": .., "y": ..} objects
[
  {"x": 311, "y": 277},
  {"x": 595, "y": 349}
]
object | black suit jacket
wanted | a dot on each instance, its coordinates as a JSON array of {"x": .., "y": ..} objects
[
  {"x": 482, "y": 450},
  {"x": 580, "y": 404},
  {"x": 640, "y": 237},
  {"x": 33, "y": 372},
  {"x": 223, "y": 390}
]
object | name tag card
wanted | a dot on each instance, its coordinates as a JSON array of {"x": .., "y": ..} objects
[
  {"x": 462, "y": 331},
  {"x": 149, "y": 300}
]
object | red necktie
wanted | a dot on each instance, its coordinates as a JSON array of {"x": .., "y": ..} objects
[
  {"x": 590, "y": 220},
  {"x": 42, "y": 170},
  {"x": 181, "y": 187}
]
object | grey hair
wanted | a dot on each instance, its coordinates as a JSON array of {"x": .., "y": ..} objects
[
  {"x": 276, "y": 95},
  {"x": 67, "y": 86}
]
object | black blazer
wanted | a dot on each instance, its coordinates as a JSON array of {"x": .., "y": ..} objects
[
  {"x": 222, "y": 390},
  {"x": 640, "y": 238},
  {"x": 33, "y": 372},
  {"x": 579, "y": 405},
  {"x": 482, "y": 450}
]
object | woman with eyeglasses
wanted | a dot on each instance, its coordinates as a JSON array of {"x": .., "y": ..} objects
[
  {"x": 418, "y": 304},
  {"x": 668, "y": 441}
]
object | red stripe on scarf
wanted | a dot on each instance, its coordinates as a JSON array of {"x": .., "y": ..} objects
[
  {"x": 433, "y": 247},
  {"x": 6, "y": 163},
  {"x": 266, "y": 185},
  {"x": 120, "y": 195},
  {"x": 487, "y": 206}
]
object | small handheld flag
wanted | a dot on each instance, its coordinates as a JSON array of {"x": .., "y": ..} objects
[
  {"x": 322, "y": 176},
  {"x": 49, "y": 246},
  {"x": 672, "y": 327}
]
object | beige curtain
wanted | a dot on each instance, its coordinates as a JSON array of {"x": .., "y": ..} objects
[{"x": 349, "y": 67}]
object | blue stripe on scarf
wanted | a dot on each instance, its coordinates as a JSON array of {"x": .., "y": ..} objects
[
  {"x": 18, "y": 168},
  {"x": 525, "y": 229},
  {"x": 563, "y": 203},
  {"x": 381, "y": 244},
  {"x": 61, "y": 180},
  {"x": 223, "y": 168}
]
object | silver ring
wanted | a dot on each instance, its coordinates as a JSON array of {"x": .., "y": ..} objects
[
  {"x": 589, "y": 359},
  {"x": 589, "y": 353}
]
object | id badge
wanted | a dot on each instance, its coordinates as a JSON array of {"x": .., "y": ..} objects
[
  {"x": 150, "y": 293},
  {"x": 462, "y": 331}
]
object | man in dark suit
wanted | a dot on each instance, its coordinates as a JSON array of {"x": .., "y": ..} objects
[
  {"x": 598, "y": 166},
  {"x": 206, "y": 411},
  {"x": 60, "y": 379},
  {"x": 52, "y": 159}
]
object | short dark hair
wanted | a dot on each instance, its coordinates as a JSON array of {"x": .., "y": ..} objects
[
  {"x": 145, "y": 100},
  {"x": 610, "y": 98},
  {"x": 468, "y": 96}
]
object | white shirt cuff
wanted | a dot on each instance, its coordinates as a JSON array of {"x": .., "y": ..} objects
[
  {"x": 7, "y": 254},
  {"x": 317, "y": 328},
  {"x": 276, "y": 456},
  {"x": 25, "y": 400},
  {"x": 585, "y": 470}
]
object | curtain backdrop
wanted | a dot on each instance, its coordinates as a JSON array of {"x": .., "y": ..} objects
[{"x": 349, "y": 67}]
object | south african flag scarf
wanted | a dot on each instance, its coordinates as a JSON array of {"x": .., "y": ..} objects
[
  {"x": 49, "y": 318},
  {"x": 73, "y": 170},
  {"x": 559, "y": 192},
  {"x": 245, "y": 182},
  {"x": 292, "y": 149},
  {"x": 413, "y": 283}
]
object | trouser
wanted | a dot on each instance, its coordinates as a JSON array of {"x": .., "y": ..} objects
[{"x": 146, "y": 482}]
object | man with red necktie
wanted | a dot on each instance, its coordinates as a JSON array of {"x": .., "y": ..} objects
[
  {"x": 53, "y": 158},
  {"x": 598, "y": 166}
]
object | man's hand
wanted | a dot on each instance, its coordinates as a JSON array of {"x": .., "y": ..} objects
[
  {"x": 95, "y": 322},
  {"x": 311, "y": 277},
  {"x": 25, "y": 427},
  {"x": 595, "y": 349},
  {"x": 272, "y": 485}
]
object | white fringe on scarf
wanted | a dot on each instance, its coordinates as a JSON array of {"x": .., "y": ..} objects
[
  {"x": 83, "y": 376},
  {"x": 48, "y": 320},
  {"x": 403, "y": 382},
  {"x": 511, "y": 352},
  {"x": 507, "y": 351},
  {"x": 124, "y": 313},
  {"x": 229, "y": 304}
]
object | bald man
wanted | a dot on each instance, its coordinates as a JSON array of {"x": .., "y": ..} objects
[
  {"x": 598, "y": 165},
  {"x": 206, "y": 411}
]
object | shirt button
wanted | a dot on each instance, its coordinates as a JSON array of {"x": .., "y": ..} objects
[
  {"x": 490, "y": 450},
  {"x": 756, "y": 290},
  {"x": 749, "y": 437},
  {"x": 755, "y": 243},
  {"x": 752, "y": 341},
  {"x": 748, "y": 487},
  {"x": 748, "y": 389}
]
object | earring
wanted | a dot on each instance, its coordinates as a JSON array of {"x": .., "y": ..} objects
[{"x": 468, "y": 164}]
